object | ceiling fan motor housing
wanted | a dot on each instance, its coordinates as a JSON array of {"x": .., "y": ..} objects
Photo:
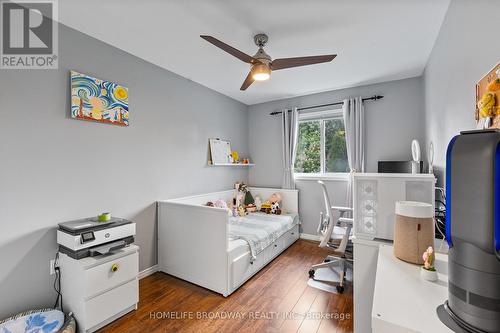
[
  {"x": 260, "y": 40},
  {"x": 262, "y": 56}
]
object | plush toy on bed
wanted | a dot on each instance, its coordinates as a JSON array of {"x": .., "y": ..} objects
[
  {"x": 275, "y": 208},
  {"x": 242, "y": 211},
  {"x": 272, "y": 205},
  {"x": 246, "y": 198},
  {"x": 219, "y": 203},
  {"x": 251, "y": 208},
  {"x": 258, "y": 203}
]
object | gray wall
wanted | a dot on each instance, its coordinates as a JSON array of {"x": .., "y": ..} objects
[
  {"x": 391, "y": 124},
  {"x": 464, "y": 51},
  {"x": 54, "y": 168}
]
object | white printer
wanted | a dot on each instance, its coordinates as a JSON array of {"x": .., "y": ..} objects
[
  {"x": 99, "y": 268},
  {"x": 90, "y": 237}
]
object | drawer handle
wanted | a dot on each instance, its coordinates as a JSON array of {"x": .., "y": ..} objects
[
  {"x": 114, "y": 267},
  {"x": 293, "y": 233},
  {"x": 275, "y": 245}
]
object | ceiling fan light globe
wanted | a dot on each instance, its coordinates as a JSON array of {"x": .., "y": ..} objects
[
  {"x": 261, "y": 72},
  {"x": 261, "y": 77}
]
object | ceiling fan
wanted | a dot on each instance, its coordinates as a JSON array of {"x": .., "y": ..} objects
[{"x": 261, "y": 62}]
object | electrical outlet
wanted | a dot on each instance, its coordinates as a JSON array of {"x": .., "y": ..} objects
[{"x": 52, "y": 268}]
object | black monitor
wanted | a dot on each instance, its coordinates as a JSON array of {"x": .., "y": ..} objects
[{"x": 398, "y": 166}]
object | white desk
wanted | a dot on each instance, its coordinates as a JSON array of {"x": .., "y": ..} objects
[{"x": 404, "y": 302}]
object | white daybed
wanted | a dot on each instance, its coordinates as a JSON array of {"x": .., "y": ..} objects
[{"x": 194, "y": 242}]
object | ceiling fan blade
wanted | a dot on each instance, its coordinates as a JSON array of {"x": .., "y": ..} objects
[
  {"x": 248, "y": 81},
  {"x": 229, "y": 49},
  {"x": 300, "y": 61}
]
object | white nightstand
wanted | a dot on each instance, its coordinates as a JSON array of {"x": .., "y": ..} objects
[{"x": 100, "y": 289}]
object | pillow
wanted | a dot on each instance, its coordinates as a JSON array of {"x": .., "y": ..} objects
[{"x": 35, "y": 321}]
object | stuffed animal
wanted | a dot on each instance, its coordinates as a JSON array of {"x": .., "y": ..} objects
[
  {"x": 249, "y": 200},
  {"x": 242, "y": 211},
  {"x": 251, "y": 208},
  {"x": 258, "y": 203},
  {"x": 242, "y": 187},
  {"x": 247, "y": 196},
  {"x": 219, "y": 203},
  {"x": 275, "y": 197},
  {"x": 266, "y": 207},
  {"x": 486, "y": 105},
  {"x": 239, "y": 199},
  {"x": 275, "y": 208},
  {"x": 272, "y": 205}
]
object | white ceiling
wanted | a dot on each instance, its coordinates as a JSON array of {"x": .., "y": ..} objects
[{"x": 376, "y": 40}]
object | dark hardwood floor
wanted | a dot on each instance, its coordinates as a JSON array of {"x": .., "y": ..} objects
[{"x": 277, "y": 299}]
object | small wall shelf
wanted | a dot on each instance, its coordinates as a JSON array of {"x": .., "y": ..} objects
[{"x": 231, "y": 164}]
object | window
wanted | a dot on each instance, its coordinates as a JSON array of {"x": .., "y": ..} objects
[{"x": 321, "y": 146}]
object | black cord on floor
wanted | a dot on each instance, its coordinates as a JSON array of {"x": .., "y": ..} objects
[{"x": 57, "y": 284}]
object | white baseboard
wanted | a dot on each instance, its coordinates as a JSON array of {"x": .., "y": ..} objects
[
  {"x": 309, "y": 237},
  {"x": 148, "y": 271}
]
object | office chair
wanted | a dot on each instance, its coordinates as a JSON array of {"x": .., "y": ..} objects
[{"x": 334, "y": 230}]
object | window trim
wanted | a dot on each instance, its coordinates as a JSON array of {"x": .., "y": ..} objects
[
  {"x": 322, "y": 116},
  {"x": 325, "y": 176}
]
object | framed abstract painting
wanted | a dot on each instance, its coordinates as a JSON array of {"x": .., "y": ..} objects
[{"x": 98, "y": 100}]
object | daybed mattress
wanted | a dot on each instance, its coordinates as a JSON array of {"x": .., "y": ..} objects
[{"x": 277, "y": 224}]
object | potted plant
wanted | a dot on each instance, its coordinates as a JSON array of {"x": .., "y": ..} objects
[{"x": 428, "y": 272}]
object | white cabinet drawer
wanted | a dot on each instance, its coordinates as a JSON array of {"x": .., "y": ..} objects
[
  {"x": 104, "y": 306},
  {"x": 293, "y": 235},
  {"x": 101, "y": 278},
  {"x": 242, "y": 268}
]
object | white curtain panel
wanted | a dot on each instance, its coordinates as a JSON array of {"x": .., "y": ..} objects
[
  {"x": 354, "y": 120},
  {"x": 289, "y": 134}
]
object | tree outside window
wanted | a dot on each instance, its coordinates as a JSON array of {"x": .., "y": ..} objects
[{"x": 321, "y": 146}]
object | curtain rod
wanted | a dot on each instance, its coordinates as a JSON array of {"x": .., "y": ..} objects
[{"x": 373, "y": 98}]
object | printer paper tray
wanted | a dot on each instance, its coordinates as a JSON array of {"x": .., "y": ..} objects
[{"x": 102, "y": 249}]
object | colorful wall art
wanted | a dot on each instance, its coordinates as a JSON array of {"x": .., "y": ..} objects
[{"x": 98, "y": 100}]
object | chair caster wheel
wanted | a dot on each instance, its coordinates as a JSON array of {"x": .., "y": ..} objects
[
  {"x": 326, "y": 260},
  {"x": 340, "y": 289},
  {"x": 311, "y": 273}
]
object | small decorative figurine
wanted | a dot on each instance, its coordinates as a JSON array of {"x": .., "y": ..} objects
[
  {"x": 428, "y": 272},
  {"x": 235, "y": 157}
]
